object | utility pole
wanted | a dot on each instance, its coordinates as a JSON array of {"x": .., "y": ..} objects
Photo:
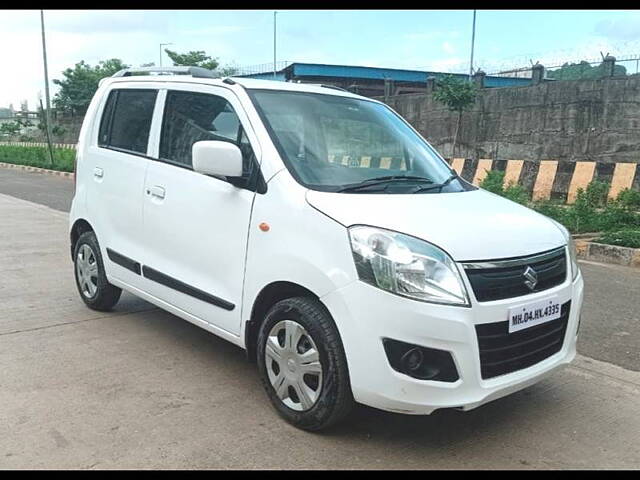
[
  {"x": 162, "y": 45},
  {"x": 274, "y": 44},
  {"x": 473, "y": 39},
  {"x": 46, "y": 88}
]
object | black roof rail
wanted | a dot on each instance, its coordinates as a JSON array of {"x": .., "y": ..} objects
[
  {"x": 196, "y": 72},
  {"x": 335, "y": 88}
]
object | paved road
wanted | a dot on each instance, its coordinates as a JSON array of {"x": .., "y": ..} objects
[
  {"x": 610, "y": 329},
  {"x": 51, "y": 190}
]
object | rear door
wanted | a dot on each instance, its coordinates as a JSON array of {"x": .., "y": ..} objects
[
  {"x": 196, "y": 226},
  {"x": 118, "y": 162}
]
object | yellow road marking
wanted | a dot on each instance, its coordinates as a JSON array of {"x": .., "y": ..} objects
[
  {"x": 458, "y": 165},
  {"x": 582, "y": 175},
  {"x": 622, "y": 178},
  {"x": 385, "y": 162},
  {"x": 544, "y": 180},
  {"x": 512, "y": 172},
  {"x": 484, "y": 165}
]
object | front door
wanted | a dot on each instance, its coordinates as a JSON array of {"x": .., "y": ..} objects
[{"x": 196, "y": 226}]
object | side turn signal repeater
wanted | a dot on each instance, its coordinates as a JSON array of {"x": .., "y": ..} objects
[{"x": 264, "y": 227}]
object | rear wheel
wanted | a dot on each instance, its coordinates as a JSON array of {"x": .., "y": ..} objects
[
  {"x": 302, "y": 364},
  {"x": 91, "y": 280}
]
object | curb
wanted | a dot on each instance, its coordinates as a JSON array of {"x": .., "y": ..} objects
[
  {"x": 36, "y": 169},
  {"x": 601, "y": 252}
]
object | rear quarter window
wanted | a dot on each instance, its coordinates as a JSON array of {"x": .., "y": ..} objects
[{"x": 126, "y": 120}]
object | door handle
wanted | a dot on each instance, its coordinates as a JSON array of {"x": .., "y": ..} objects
[
  {"x": 156, "y": 191},
  {"x": 98, "y": 172}
]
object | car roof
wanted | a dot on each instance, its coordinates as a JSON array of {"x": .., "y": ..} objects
[{"x": 249, "y": 83}]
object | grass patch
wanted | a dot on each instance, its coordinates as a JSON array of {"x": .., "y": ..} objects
[
  {"x": 63, "y": 158},
  {"x": 622, "y": 238}
]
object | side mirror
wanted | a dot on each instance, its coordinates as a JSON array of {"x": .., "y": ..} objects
[{"x": 212, "y": 157}]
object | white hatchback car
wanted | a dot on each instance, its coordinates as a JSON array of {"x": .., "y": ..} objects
[{"x": 319, "y": 231}]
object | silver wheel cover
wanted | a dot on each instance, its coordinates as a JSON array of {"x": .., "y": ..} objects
[
  {"x": 293, "y": 365},
  {"x": 87, "y": 271}
]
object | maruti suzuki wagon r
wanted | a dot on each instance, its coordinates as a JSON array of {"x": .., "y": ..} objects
[{"x": 320, "y": 232}]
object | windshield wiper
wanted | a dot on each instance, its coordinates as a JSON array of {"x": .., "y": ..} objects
[
  {"x": 424, "y": 188},
  {"x": 382, "y": 180}
]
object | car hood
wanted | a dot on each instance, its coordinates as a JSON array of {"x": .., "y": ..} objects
[{"x": 471, "y": 225}]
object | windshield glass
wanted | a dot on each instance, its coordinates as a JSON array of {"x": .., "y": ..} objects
[{"x": 336, "y": 143}]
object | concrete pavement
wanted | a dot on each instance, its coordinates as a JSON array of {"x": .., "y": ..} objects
[{"x": 140, "y": 388}]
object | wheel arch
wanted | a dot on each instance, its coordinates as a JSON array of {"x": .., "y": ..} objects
[
  {"x": 79, "y": 227},
  {"x": 269, "y": 296}
]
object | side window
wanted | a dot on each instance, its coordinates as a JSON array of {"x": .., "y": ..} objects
[
  {"x": 190, "y": 117},
  {"x": 107, "y": 115},
  {"x": 126, "y": 120}
]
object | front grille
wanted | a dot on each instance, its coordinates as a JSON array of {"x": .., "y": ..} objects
[
  {"x": 505, "y": 278},
  {"x": 502, "y": 352}
]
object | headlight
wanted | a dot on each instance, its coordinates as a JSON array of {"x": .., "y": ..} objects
[
  {"x": 406, "y": 266},
  {"x": 573, "y": 256}
]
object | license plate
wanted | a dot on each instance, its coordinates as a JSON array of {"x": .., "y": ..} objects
[{"x": 531, "y": 314}]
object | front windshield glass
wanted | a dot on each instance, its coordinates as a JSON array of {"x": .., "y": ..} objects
[{"x": 337, "y": 143}]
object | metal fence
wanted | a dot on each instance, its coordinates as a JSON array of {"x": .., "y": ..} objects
[
  {"x": 575, "y": 69},
  {"x": 263, "y": 68},
  {"x": 38, "y": 144}
]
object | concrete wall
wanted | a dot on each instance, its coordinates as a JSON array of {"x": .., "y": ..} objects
[
  {"x": 566, "y": 121},
  {"x": 551, "y": 179}
]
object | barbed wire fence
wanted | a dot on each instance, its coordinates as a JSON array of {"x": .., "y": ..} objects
[
  {"x": 263, "y": 68},
  {"x": 519, "y": 66}
]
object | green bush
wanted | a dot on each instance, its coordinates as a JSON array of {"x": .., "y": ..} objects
[
  {"x": 555, "y": 210},
  {"x": 494, "y": 182},
  {"x": 591, "y": 211},
  {"x": 629, "y": 198},
  {"x": 596, "y": 193},
  {"x": 63, "y": 158},
  {"x": 516, "y": 193},
  {"x": 622, "y": 238}
]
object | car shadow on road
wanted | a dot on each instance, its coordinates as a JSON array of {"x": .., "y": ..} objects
[{"x": 443, "y": 428}]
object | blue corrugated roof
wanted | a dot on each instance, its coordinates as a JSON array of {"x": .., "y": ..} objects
[
  {"x": 376, "y": 73},
  {"x": 348, "y": 71}
]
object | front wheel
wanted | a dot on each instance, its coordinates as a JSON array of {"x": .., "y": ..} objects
[{"x": 302, "y": 364}]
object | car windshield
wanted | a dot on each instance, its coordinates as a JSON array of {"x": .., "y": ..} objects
[{"x": 336, "y": 143}]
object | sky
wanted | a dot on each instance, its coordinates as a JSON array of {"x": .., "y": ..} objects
[{"x": 435, "y": 40}]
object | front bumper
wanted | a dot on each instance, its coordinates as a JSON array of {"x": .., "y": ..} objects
[{"x": 365, "y": 315}]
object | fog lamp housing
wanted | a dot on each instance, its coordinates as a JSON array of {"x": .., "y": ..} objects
[{"x": 420, "y": 362}]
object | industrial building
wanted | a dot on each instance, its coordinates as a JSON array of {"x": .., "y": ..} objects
[{"x": 370, "y": 81}]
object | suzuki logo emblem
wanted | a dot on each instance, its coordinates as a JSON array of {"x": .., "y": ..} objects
[{"x": 531, "y": 278}]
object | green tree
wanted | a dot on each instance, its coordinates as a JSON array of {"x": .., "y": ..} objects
[
  {"x": 458, "y": 95},
  {"x": 81, "y": 82},
  {"x": 25, "y": 123},
  {"x": 10, "y": 128},
  {"x": 228, "y": 70},
  {"x": 192, "y": 59},
  {"x": 583, "y": 71}
]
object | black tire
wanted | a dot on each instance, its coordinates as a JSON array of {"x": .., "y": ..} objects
[
  {"x": 335, "y": 400},
  {"x": 106, "y": 295}
]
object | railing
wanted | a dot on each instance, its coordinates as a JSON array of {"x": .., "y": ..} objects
[
  {"x": 262, "y": 68},
  {"x": 39, "y": 144}
]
